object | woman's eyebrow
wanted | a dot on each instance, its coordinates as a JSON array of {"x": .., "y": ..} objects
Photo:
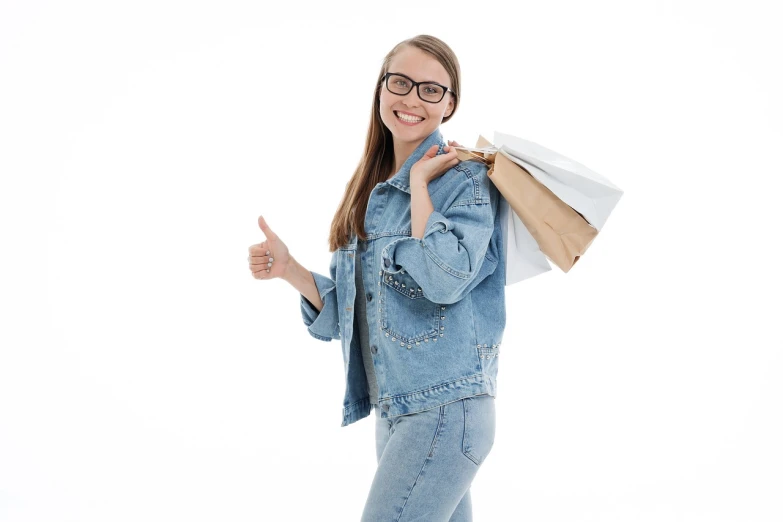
[{"x": 415, "y": 80}]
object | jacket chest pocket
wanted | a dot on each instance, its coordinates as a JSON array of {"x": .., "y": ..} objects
[{"x": 406, "y": 315}]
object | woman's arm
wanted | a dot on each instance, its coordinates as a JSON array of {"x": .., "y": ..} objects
[
  {"x": 317, "y": 298},
  {"x": 449, "y": 259},
  {"x": 301, "y": 279},
  {"x": 421, "y": 207},
  {"x": 432, "y": 165}
]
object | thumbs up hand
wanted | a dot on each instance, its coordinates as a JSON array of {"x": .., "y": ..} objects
[{"x": 270, "y": 258}]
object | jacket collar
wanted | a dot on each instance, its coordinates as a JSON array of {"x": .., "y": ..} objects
[{"x": 401, "y": 179}]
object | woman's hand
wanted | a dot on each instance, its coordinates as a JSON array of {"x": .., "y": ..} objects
[
  {"x": 432, "y": 166},
  {"x": 269, "y": 259}
]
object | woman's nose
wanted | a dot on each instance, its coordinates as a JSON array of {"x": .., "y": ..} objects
[{"x": 411, "y": 99}]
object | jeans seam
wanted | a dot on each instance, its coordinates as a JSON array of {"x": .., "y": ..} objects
[
  {"x": 467, "y": 452},
  {"x": 438, "y": 430}
]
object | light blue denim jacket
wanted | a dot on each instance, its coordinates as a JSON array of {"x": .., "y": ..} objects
[{"x": 436, "y": 306}]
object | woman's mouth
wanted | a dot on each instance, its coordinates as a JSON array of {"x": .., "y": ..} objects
[{"x": 407, "y": 119}]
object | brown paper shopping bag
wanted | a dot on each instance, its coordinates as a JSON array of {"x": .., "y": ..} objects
[{"x": 562, "y": 234}]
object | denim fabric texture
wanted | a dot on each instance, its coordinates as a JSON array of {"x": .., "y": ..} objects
[
  {"x": 363, "y": 328},
  {"x": 428, "y": 460},
  {"x": 435, "y": 306}
]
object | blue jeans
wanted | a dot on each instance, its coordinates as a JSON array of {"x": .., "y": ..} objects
[{"x": 427, "y": 461}]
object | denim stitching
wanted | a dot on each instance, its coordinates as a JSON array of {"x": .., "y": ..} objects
[
  {"x": 466, "y": 448},
  {"x": 438, "y": 431},
  {"x": 407, "y": 398},
  {"x": 386, "y": 326},
  {"x": 482, "y": 201}
]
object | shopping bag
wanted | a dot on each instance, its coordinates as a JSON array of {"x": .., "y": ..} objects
[{"x": 552, "y": 207}]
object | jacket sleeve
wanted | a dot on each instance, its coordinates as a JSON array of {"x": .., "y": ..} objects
[
  {"x": 446, "y": 261},
  {"x": 323, "y": 325}
]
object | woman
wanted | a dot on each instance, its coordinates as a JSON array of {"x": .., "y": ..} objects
[{"x": 416, "y": 292}]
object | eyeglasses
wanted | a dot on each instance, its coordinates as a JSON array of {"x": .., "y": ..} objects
[{"x": 401, "y": 85}]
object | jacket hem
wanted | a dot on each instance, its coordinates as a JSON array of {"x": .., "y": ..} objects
[
  {"x": 318, "y": 336},
  {"x": 470, "y": 386},
  {"x": 356, "y": 411}
]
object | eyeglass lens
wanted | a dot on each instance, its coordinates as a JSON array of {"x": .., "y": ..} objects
[{"x": 427, "y": 91}]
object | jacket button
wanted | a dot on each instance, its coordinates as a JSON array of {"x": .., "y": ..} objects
[
  {"x": 369, "y": 296},
  {"x": 385, "y": 407},
  {"x": 374, "y": 349},
  {"x": 386, "y": 262}
]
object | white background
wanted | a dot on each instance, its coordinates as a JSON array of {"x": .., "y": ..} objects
[{"x": 145, "y": 375}]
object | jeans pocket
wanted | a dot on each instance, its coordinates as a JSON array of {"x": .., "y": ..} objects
[{"x": 479, "y": 432}]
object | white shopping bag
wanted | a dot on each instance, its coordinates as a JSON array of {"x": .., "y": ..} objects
[
  {"x": 587, "y": 192},
  {"x": 523, "y": 257},
  {"x": 584, "y": 190}
]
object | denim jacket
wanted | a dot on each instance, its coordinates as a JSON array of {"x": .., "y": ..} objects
[{"x": 435, "y": 306}]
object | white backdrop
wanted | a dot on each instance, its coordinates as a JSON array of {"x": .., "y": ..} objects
[{"x": 145, "y": 375}]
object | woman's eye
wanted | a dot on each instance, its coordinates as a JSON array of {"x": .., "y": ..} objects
[{"x": 430, "y": 90}]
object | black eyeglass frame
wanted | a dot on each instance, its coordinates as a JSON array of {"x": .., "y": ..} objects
[{"x": 415, "y": 84}]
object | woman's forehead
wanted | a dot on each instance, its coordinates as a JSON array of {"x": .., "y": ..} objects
[{"x": 419, "y": 66}]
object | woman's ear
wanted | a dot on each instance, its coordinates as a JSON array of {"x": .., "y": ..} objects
[{"x": 450, "y": 109}]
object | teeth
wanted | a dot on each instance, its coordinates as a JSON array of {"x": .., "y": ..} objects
[{"x": 405, "y": 117}]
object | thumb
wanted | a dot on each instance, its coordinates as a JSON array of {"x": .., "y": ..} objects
[{"x": 265, "y": 228}]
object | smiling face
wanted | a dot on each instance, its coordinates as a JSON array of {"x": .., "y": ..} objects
[{"x": 420, "y": 67}]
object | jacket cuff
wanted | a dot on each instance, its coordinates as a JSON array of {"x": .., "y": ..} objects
[
  {"x": 323, "y": 325},
  {"x": 446, "y": 263},
  {"x": 401, "y": 252}
]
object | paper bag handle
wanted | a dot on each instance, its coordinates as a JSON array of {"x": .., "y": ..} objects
[{"x": 484, "y": 150}]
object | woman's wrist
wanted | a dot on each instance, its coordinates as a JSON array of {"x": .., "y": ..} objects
[{"x": 290, "y": 270}]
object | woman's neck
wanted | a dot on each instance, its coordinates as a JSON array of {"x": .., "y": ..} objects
[{"x": 402, "y": 151}]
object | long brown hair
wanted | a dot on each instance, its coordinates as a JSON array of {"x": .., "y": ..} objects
[{"x": 378, "y": 158}]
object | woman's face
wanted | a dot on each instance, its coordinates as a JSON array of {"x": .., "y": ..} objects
[{"x": 420, "y": 67}]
